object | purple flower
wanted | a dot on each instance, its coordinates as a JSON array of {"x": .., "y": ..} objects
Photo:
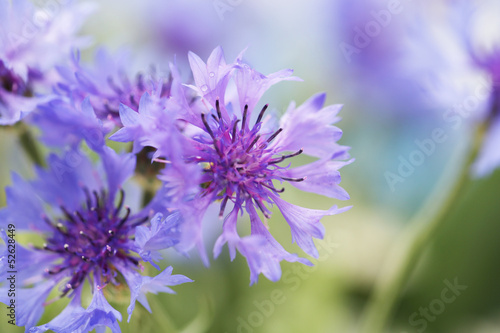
[
  {"x": 88, "y": 100},
  {"x": 463, "y": 16},
  {"x": 89, "y": 235},
  {"x": 107, "y": 84},
  {"x": 232, "y": 155},
  {"x": 489, "y": 157},
  {"x": 32, "y": 41}
]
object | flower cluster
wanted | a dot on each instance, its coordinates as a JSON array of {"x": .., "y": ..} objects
[
  {"x": 30, "y": 49},
  {"x": 192, "y": 145}
]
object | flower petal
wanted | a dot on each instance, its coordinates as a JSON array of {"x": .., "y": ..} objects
[
  {"x": 271, "y": 253},
  {"x": 163, "y": 233},
  {"x": 305, "y": 223},
  {"x": 322, "y": 177},
  {"x": 308, "y": 127},
  {"x": 140, "y": 285}
]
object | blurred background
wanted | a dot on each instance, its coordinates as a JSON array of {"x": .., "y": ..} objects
[{"x": 402, "y": 71}]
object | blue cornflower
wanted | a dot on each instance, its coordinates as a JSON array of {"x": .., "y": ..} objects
[
  {"x": 489, "y": 63},
  {"x": 231, "y": 155},
  {"x": 89, "y": 235},
  {"x": 87, "y": 100},
  {"x": 478, "y": 61},
  {"x": 32, "y": 41},
  {"x": 107, "y": 84},
  {"x": 489, "y": 157}
]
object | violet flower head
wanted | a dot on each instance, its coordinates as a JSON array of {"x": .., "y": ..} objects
[
  {"x": 32, "y": 41},
  {"x": 489, "y": 157},
  {"x": 89, "y": 236},
  {"x": 107, "y": 84},
  {"x": 487, "y": 62},
  {"x": 238, "y": 160},
  {"x": 87, "y": 100}
]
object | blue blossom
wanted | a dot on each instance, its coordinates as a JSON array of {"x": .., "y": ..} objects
[
  {"x": 481, "y": 61},
  {"x": 89, "y": 235},
  {"x": 87, "y": 100},
  {"x": 232, "y": 155},
  {"x": 489, "y": 156},
  {"x": 32, "y": 41},
  {"x": 107, "y": 84}
]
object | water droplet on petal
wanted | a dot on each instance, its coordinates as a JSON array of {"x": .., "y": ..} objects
[
  {"x": 204, "y": 88},
  {"x": 212, "y": 74}
]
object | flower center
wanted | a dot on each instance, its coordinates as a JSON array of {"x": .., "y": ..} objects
[
  {"x": 241, "y": 165},
  {"x": 130, "y": 93},
  {"x": 12, "y": 83},
  {"x": 91, "y": 239}
]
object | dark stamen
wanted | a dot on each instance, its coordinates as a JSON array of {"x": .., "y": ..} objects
[
  {"x": 243, "y": 124},
  {"x": 47, "y": 248},
  {"x": 97, "y": 202},
  {"x": 284, "y": 157},
  {"x": 234, "y": 130},
  {"x": 47, "y": 220},
  {"x": 262, "y": 209},
  {"x": 209, "y": 130},
  {"x": 261, "y": 114},
  {"x": 253, "y": 142},
  {"x": 87, "y": 197},
  {"x": 125, "y": 218},
  {"x": 77, "y": 213},
  {"x": 271, "y": 138},
  {"x": 113, "y": 86},
  {"x": 217, "y": 107},
  {"x": 223, "y": 206},
  {"x": 67, "y": 214},
  {"x": 133, "y": 101},
  {"x": 272, "y": 188},
  {"x": 78, "y": 282},
  {"x": 136, "y": 262},
  {"x": 141, "y": 221},
  {"x": 55, "y": 270},
  {"x": 294, "y": 179},
  {"x": 120, "y": 203},
  {"x": 60, "y": 228},
  {"x": 211, "y": 134},
  {"x": 140, "y": 82},
  {"x": 97, "y": 205}
]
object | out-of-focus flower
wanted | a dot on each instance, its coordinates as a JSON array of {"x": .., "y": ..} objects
[
  {"x": 402, "y": 55},
  {"x": 32, "y": 41},
  {"x": 465, "y": 17},
  {"x": 87, "y": 100},
  {"x": 232, "y": 154},
  {"x": 182, "y": 26},
  {"x": 428, "y": 60},
  {"x": 90, "y": 235},
  {"x": 107, "y": 84}
]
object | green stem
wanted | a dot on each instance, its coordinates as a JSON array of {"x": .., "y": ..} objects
[
  {"x": 29, "y": 144},
  {"x": 410, "y": 246}
]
